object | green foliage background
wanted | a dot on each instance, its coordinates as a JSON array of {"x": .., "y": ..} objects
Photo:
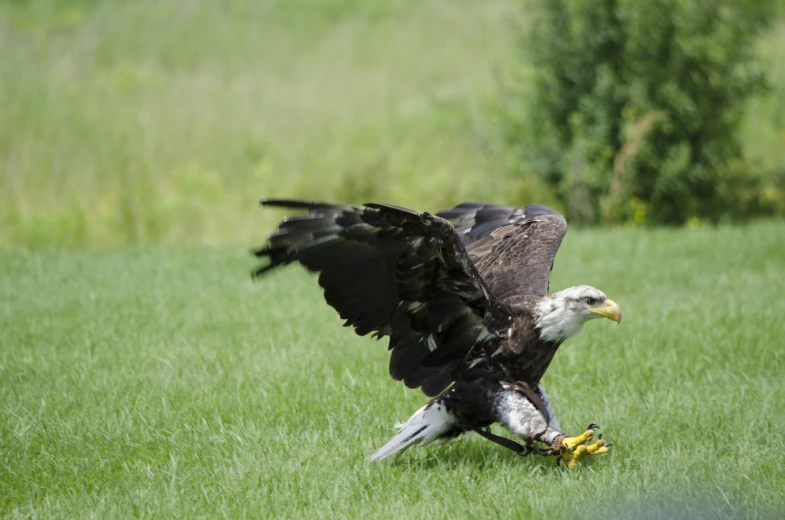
[
  {"x": 163, "y": 122},
  {"x": 634, "y": 108}
]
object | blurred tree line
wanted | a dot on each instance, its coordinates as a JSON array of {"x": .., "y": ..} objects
[
  {"x": 147, "y": 122},
  {"x": 631, "y": 110}
]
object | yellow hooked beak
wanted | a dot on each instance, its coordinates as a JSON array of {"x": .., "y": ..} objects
[{"x": 610, "y": 310}]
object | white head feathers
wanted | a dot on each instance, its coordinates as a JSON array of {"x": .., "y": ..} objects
[{"x": 562, "y": 314}]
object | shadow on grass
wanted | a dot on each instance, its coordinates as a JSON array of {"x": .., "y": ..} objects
[{"x": 474, "y": 452}]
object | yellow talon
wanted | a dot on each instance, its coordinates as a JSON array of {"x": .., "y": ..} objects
[
  {"x": 574, "y": 449},
  {"x": 577, "y": 455},
  {"x": 570, "y": 443},
  {"x": 597, "y": 448}
]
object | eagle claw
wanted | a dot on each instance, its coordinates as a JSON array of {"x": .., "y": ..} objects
[{"x": 571, "y": 450}]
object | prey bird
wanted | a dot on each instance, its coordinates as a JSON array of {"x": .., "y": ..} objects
[{"x": 463, "y": 297}]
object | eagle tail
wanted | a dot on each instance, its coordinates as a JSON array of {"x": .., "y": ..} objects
[{"x": 429, "y": 423}]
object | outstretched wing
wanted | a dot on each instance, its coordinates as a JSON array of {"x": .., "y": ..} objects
[
  {"x": 392, "y": 272},
  {"x": 512, "y": 248}
]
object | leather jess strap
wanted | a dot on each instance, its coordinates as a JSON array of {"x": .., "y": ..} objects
[{"x": 520, "y": 449}]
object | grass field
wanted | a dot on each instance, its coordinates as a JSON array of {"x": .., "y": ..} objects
[{"x": 163, "y": 383}]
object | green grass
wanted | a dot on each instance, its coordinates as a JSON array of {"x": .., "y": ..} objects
[
  {"x": 163, "y": 383},
  {"x": 161, "y": 122}
]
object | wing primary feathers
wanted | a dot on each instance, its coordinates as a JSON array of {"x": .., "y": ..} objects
[
  {"x": 391, "y": 271},
  {"x": 395, "y": 208},
  {"x": 295, "y": 204},
  {"x": 460, "y": 210},
  {"x": 538, "y": 210}
]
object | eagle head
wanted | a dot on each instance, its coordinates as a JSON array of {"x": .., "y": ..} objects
[{"x": 562, "y": 314}]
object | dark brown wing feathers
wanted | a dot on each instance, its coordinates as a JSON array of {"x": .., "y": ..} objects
[
  {"x": 392, "y": 271},
  {"x": 512, "y": 248}
]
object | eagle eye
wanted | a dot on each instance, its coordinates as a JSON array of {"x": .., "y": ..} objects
[{"x": 591, "y": 301}]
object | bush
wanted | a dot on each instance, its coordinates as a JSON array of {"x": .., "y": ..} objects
[{"x": 635, "y": 106}]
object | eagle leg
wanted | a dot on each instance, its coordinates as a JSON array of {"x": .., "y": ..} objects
[{"x": 571, "y": 450}]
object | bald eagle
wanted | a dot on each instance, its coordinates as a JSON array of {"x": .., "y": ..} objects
[{"x": 463, "y": 297}]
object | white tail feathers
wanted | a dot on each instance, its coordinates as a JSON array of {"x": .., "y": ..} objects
[{"x": 426, "y": 425}]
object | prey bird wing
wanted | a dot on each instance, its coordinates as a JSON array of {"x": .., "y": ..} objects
[
  {"x": 512, "y": 248},
  {"x": 393, "y": 272}
]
